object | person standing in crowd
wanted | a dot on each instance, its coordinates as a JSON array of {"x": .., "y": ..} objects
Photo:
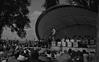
[
  {"x": 12, "y": 59},
  {"x": 23, "y": 56},
  {"x": 34, "y": 55},
  {"x": 64, "y": 57}
]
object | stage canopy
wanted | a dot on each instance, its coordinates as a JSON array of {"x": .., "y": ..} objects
[{"x": 68, "y": 21}]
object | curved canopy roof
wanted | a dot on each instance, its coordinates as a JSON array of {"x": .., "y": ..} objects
[{"x": 67, "y": 20}]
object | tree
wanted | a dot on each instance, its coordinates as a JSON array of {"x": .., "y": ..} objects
[
  {"x": 50, "y": 3},
  {"x": 90, "y": 4},
  {"x": 13, "y": 14}
]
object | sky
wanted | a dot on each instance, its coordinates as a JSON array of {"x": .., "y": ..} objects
[{"x": 35, "y": 10}]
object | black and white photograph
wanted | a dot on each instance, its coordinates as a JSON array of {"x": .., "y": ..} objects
[{"x": 49, "y": 31}]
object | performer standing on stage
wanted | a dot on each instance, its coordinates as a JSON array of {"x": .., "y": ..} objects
[{"x": 53, "y": 33}]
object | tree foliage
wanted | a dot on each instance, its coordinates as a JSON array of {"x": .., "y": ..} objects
[{"x": 13, "y": 14}]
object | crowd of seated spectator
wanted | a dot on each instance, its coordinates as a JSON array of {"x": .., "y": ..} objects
[{"x": 40, "y": 51}]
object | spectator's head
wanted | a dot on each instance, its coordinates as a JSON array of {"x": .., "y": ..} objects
[
  {"x": 48, "y": 52},
  {"x": 70, "y": 50},
  {"x": 1, "y": 48},
  {"x": 65, "y": 51},
  {"x": 84, "y": 51}
]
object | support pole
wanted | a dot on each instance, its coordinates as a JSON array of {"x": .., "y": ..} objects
[{"x": 97, "y": 43}]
